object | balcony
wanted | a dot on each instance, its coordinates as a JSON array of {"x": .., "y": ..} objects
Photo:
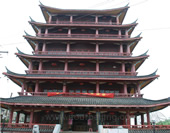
[
  {"x": 60, "y": 53},
  {"x": 90, "y": 36},
  {"x": 82, "y": 23},
  {"x": 68, "y": 94},
  {"x": 94, "y": 73}
]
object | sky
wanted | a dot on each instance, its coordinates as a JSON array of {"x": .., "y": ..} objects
[{"x": 153, "y": 21}]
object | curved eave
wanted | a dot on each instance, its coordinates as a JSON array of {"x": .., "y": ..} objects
[
  {"x": 34, "y": 38},
  {"x": 140, "y": 62},
  {"x": 85, "y": 102},
  {"x": 31, "y": 42},
  {"x": 22, "y": 59},
  {"x": 125, "y": 26},
  {"x": 135, "y": 58},
  {"x": 46, "y": 10},
  {"x": 134, "y": 45},
  {"x": 81, "y": 77}
]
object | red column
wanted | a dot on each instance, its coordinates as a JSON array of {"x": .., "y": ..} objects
[
  {"x": 117, "y": 19},
  {"x": 46, "y": 31},
  {"x": 96, "y": 19},
  {"x": 125, "y": 88},
  {"x": 133, "y": 70},
  {"x": 119, "y": 33},
  {"x": 68, "y": 47},
  {"x": 66, "y": 66},
  {"x": 148, "y": 118},
  {"x": 128, "y": 117},
  {"x": 97, "y": 87},
  {"x": 121, "y": 48},
  {"x": 97, "y": 66},
  {"x": 40, "y": 65},
  {"x": 126, "y": 33},
  {"x": 64, "y": 87},
  {"x": 36, "y": 47},
  {"x": 23, "y": 86},
  {"x": 49, "y": 20},
  {"x": 36, "y": 86},
  {"x": 97, "y": 32},
  {"x": 11, "y": 115},
  {"x": 123, "y": 67},
  {"x": 97, "y": 47},
  {"x": 128, "y": 49},
  {"x": 69, "y": 32},
  {"x": 30, "y": 66},
  {"x": 31, "y": 118},
  {"x": 142, "y": 119},
  {"x": 44, "y": 47},
  {"x": 17, "y": 118},
  {"x": 71, "y": 19},
  {"x": 138, "y": 88},
  {"x": 39, "y": 32}
]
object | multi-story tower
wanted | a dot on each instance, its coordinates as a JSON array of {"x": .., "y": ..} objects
[{"x": 79, "y": 58}]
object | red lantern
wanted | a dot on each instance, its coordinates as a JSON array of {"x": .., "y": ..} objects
[
  {"x": 82, "y": 64},
  {"x": 81, "y": 83},
  {"x": 110, "y": 84},
  {"x": 53, "y": 64},
  {"x": 111, "y": 113}
]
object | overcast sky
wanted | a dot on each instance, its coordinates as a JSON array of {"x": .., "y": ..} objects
[{"x": 154, "y": 23}]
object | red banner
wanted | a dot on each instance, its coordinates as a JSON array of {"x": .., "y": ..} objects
[{"x": 106, "y": 95}]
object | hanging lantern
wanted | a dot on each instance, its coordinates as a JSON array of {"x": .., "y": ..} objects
[
  {"x": 111, "y": 113},
  {"x": 81, "y": 83},
  {"x": 82, "y": 64},
  {"x": 71, "y": 113},
  {"x": 110, "y": 84},
  {"x": 53, "y": 64}
]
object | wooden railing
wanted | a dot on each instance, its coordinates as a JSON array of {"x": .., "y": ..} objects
[
  {"x": 81, "y": 53},
  {"x": 27, "y": 125},
  {"x": 62, "y": 72},
  {"x": 68, "y": 94},
  {"x": 82, "y": 22},
  {"x": 100, "y": 36},
  {"x": 138, "y": 126}
]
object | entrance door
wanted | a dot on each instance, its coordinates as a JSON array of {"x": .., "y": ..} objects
[{"x": 80, "y": 125}]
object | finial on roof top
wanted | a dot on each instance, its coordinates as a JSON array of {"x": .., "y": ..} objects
[
  {"x": 32, "y": 19},
  {"x": 26, "y": 33},
  {"x": 138, "y": 35},
  {"x": 41, "y": 3}
]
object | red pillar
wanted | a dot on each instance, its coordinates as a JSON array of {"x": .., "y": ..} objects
[
  {"x": 117, "y": 19},
  {"x": 31, "y": 118},
  {"x": 96, "y": 19},
  {"x": 125, "y": 88},
  {"x": 133, "y": 70},
  {"x": 71, "y": 19},
  {"x": 97, "y": 47},
  {"x": 138, "y": 88},
  {"x": 11, "y": 115},
  {"x": 97, "y": 66},
  {"x": 64, "y": 87},
  {"x": 142, "y": 119},
  {"x": 148, "y": 118},
  {"x": 36, "y": 47},
  {"x": 49, "y": 20},
  {"x": 69, "y": 32},
  {"x": 40, "y": 65},
  {"x": 46, "y": 31},
  {"x": 123, "y": 67},
  {"x": 66, "y": 66},
  {"x": 121, "y": 48},
  {"x": 44, "y": 47},
  {"x": 97, "y": 87},
  {"x": 68, "y": 47},
  {"x": 17, "y": 118},
  {"x": 23, "y": 86},
  {"x": 119, "y": 33},
  {"x": 128, "y": 117},
  {"x": 97, "y": 32},
  {"x": 36, "y": 86},
  {"x": 128, "y": 49},
  {"x": 30, "y": 66},
  {"x": 126, "y": 33}
]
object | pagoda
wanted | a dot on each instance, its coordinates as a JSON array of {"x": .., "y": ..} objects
[{"x": 81, "y": 75}]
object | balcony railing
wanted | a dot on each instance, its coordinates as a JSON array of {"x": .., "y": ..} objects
[
  {"x": 82, "y": 53},
  {"x": 68, "y": 94},
  {"x": 82, "y": 22},
  {"x": 62, "y": 72},
  {"x": 27, "y": 127},
  {"x": 138, "y": 126},
  {"x": 93, "y": 36}
]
